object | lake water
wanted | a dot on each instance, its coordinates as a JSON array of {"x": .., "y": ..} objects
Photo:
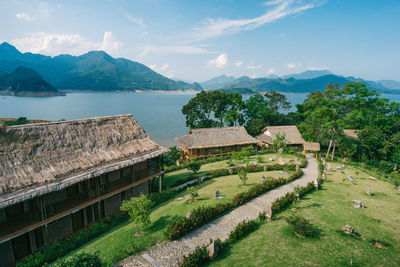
[{"x": 158, "y": 113}]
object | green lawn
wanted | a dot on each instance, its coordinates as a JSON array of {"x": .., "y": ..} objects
[
  {"x": 121, "y": 241},
  {"x": 173, "y": 177},
  {"x": 274, "y": 244}
]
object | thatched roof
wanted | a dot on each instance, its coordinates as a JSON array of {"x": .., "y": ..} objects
[
  {"x": 312, "y": 146},
  {"x": 351, "y": 133},
  {"x": 36, "y": 159},
  {"x": 265, "y": 138},
  {"x": 292, "y": 134},
  {"x": 216, "y": 137}
]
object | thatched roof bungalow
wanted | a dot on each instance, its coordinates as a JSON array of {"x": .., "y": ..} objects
[
  {"x": 292, "y": 134},
  {"x": 212, "y": 141},
  {"x": 72, "y": 172}
]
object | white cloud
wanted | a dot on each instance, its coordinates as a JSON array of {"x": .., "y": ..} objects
[
  {"x": 26, "y": 17},
  {"x": 137, "y": 21},
  {"x": 220, "y": 61},
  {"x": 53, "y": 44},
  {"x": 292, "y": 65},
  {"x": 317, "y": 68},
  {"x": 238, "y": 63},
  {"x": 172, "y": 49},
  {"x": 253, "y": 76},
  {"x": 279, "y": 9},
  {"x": 282, "y": 35},
  {"x": 164, "y": 67},
  {"x": 110, "y": 45},
  {"x": 144, "y": 34},
  {"x": 271, "y": 71},
  {"x": 254, "y": 67}
]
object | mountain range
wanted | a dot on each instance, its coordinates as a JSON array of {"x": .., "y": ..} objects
[
  {"x": 305, "y": 82},
  {"x": 94, "y": 71}
]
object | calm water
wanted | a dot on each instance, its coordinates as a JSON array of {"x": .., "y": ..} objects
[{"x": 158, "y": 113}]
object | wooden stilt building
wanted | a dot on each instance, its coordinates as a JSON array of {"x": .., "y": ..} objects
[{"x": 56, "y": 178}]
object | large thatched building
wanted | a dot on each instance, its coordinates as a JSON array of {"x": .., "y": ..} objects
[
  {"x": 291, "y": 133},
  {"x": 200, "y": 143},
  {"x": 56, "y": 178}
]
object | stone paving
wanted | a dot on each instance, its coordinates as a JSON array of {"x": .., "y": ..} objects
[{"x": 170, "y": 253}]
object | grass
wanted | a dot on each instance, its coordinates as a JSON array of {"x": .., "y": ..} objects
[
  {"x": 120, "y": 242},
  {"x": 182, "y": 175},
  {"x": 274, "y": 244}
]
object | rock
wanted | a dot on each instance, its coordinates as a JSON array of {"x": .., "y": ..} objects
[
  {"x": 263, "y": 179},
  {"x": 188, "y": 215},
  {"x": 323, "y": 176},
  {"x": 348, "y": 229},
  {"x": 368, "y": 191},
  {"x": 357, "y": 204},
  {"x": 398, "y": 190},
  {"x": 179, "y": 198},
  {"x": 329, "y": 166},
  {"x": 323, "y": 162},
  {"x": 217, "y": 194},
  {"x": 297, "y": 167},
  {"x": 230, "y": 171},
  {"x": 350, "y": 178},
  {"x": 339, "y": 168},
  {"x": 253, "y": 163},
  {"x": 272, "y": 158},
  {"x": 265, "y": 168},
  {"x": 268, "y": 213},
  {"x": 241, "y": 161},
  {"x": 372, "y": 178},
  {"x": 280, "y": 150},
  {"x": 212, "y": 250},
  {"x": 316, "y": 184},
  {"x": 281, "y": 161}
]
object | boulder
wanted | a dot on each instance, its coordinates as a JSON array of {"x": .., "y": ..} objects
[
  {"x": 212, "y": 250},
  {"x": 357, "y": 204},
  {"x": 348, "y": 229}
]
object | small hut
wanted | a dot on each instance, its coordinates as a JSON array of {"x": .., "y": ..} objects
[
  {"x": 56, "y": 178},
  {"x": 201, "y": 143},
  {"x": 292, "y": 135},
  {"x": 309, "y": 146}
]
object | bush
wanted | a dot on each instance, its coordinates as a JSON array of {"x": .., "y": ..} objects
[
  {"x": 243, "y": 176},
  {"x": 197, "y": 258},
  {"x": 194, "y": 166},
  {"x": 301, "y": 226},
  {"x": 242, "y": 229},
  {"x": 192, "y": 191},
  {"x": 80, "y": 260},
  {"x": 260, "y": 159},
  {"x": 158, "y": 198},
  {"x": 138, "y": 209}
]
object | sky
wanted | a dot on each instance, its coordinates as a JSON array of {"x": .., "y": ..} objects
[{"x": 198, "y": 40}]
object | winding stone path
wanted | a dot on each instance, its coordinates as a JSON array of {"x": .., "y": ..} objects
[{"x": 170, "y": 253}]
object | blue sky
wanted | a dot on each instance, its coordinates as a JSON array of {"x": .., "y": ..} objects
[{"x": 198, "y": 40}]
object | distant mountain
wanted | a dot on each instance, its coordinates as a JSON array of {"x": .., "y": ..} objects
[
  {"x": 217, "y": 82},
  {"x": 95, "y": 70},
  {"x": 26, "y": 82},
  {"x": 391, "y": 84},
  {"x": 239, "y": 90},
  {"x": 298, "y": 86},
  {"x": 309, "y": 74}
]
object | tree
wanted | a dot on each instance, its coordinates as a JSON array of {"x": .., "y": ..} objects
[
  {"x": 172, "y": 156},
  {"x": 213, "y": 109},
  {"x": 280, "y": 142},
  {"x": 192, "y": 191},
  {"x": 138, "y": 209},
  {"x": 243, "y": 176},
  {"x": 194, "y": 166},
  {"x": 276, "y": 101}
]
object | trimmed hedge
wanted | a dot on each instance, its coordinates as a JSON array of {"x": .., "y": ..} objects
[
  {"x": 244, "y": 228},
  {"x": 202, "y": 215}
]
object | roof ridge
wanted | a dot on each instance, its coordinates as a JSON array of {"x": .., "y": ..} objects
[{"x": 67, "y": 121}]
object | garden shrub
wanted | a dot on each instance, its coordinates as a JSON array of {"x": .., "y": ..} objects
[
  {"x": 242, "y": 229},
  {"x": 302, "y": 226},
  {"x": 80, "y": 260},
  {"x": 197, "y": 258}
]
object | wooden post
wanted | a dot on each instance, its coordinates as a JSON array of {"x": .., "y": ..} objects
[{"x": 160, "y": 182}]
